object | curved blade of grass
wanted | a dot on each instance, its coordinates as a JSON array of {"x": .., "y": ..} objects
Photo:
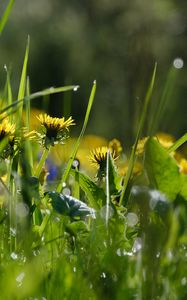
[
  {"x": 140, "y": 127},
  {"x": 8, "y": 87},
  {"x": 166, "y": 95},
  {"x": 28, "y": 145},
  {"x": 178, "y": 143},
  {"x": 33, "y": 96},
  {"x": 74, "y": 152},
  {"x": 107, "y": 189},
  {"x": 21, "y": 92},
  {"x": 5, "y": 16}
]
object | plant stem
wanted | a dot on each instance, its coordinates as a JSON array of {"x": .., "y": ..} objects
[{"x": 41, "y": 162}]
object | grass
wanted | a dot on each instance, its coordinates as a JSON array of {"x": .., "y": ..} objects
[{"x": 119, "y": 233}]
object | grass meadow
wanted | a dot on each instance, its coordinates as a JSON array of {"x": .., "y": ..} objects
[{"x": 84, "y": 217}]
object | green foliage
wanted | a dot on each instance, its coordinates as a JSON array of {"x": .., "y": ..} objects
[
  {"x": 5, "y": 16},
  {"x": 95, "y": 195},
  {"x": 99, "y": 237},
  {"x": 162, "y": 169}
]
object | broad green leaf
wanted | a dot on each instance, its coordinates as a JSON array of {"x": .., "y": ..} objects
[
  {"x": 96, "y": 195},
  {"x": 183, "y": 191},
  {"x": 162, "y": 169},
  {"x": 77, "y": 227},
  {"x": 69, "y": 206}
]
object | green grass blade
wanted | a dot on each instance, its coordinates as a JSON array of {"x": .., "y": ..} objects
[
  {"x": 74, "y": 152},
  {"x": 166, "y": 95},
  {"x": 5, "y": 16},
  {"x": 14, "y": 106},
  {"x": 178, "y": 143},
  {"x": 107, "y": 189},
  {"x": 28, "y": 145},
  {"x": 22, "y": 86},
  {"x": 9, "y": 89},
  {"x": 140, "y": 127}
]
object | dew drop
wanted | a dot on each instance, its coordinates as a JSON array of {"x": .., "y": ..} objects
[
  {"x": 76, "y": 88},
  {"x": 51, "y": 89},
  {"x": 119, "y": 252},
  {"x": 20, "y": 278},
  {"x": 178, "y": 63},
  {"x": 22, "y": 210},
  {"x": 63, "y": 184},
  {"x": 128, "y": 253},
  {"x": 75, "y": 163},
  {"x": 137, "y": 245},
  {"x": 103, "y": 275},
  {"x": 103, "y": 211},
  {"x": 13, "y": 231},
  {"x": 36, "y": 252},
  {"x": 14, "y": 255},
  {"x": 66, "y": 191},
  {"x": 132, "y": 219},
  {"x": 184, "y": 281}
]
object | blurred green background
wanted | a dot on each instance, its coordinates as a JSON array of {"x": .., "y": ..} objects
[{"x": 116, "y": 42}]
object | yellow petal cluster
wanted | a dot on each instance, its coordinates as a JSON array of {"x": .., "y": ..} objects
[
  {"x": 55, "y": 123},
  {"x": 98, "y": 156}
]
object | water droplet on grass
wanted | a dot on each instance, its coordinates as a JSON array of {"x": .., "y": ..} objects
[
  {"x": 132, "y": 219},
  {"x": 63, "y": 184},
  {"x": 103, "y": 211},
  {"x": 13, "y": 231},
  {"x": 66, "y": 192},
  {"x": 184, "y": 281},
  {"x": 22, "y": 210},
  {"x": 137, "y": 245},
  {"x": 20, "y": 278},
  {"x": 14, "y": 255},
  {"x": 103, "y": 275},
  {"x": 178, "y": 63},
  {"x": 76, "y": 88}
]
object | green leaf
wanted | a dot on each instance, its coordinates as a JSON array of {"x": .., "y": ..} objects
[
  {"x": 77, "y": 227},
  {"x": 183, "y": 191},
  {"x": 5, "y": 16},
  {"x": 96, "y": 195},
  {"x": 69, "y": 206},
  {"x": 162, "y": 170}
]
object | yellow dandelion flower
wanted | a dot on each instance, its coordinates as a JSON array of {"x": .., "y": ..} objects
[
  {"x": 56, "y": 129},
  {"x": 183, "y": 166},
  {"x": 98, "y": 156},
  {"x": 115, "y": 146},
  {"x": 7, "y": 130},
  {"x": 165, "y": 139},
  {"x": 137, "y": 169},
  {"x": 141, "y": 145}
]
